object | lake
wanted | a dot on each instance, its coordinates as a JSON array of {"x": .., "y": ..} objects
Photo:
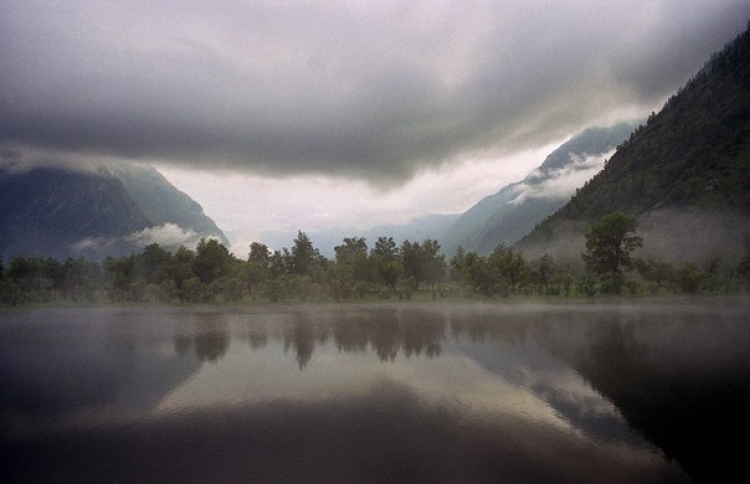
[{"x": 579, "y": 393}]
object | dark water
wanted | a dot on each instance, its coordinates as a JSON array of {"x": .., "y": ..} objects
[{"x": 570, "y": 393}]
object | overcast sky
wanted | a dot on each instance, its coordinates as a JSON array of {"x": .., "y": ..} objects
[{"x": 283, "y": 115}]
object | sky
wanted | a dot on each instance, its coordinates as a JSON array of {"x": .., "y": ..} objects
[{"x": 296, "y": 115}]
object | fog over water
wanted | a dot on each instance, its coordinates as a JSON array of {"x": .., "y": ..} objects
[{"x": 367, "y": 393}]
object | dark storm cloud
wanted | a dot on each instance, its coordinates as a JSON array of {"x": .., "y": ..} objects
[{"x": 372, "y": 89}]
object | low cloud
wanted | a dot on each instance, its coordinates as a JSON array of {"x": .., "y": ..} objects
[
  {"x": 561, "y": 182},
  {"x": 169, "y": 236},
  {"x": 373, "y": 90}
]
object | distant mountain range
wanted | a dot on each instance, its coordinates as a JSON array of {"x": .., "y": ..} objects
[
  {"x": 508, "y": 215},
  {"x": 54, "y": 211},
  {"x": 501, "y": 218},
  {"x": 685, "y": 174}
]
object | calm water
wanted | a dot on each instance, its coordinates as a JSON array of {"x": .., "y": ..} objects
[{"x": 569, "y": 393}]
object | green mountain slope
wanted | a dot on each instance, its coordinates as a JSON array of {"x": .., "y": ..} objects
[
  {"x": 685, "y": 173},
  {"x": 516, "y": 208}
]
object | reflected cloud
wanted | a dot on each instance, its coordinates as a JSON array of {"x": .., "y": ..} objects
[{"x": 553, "y": 393}]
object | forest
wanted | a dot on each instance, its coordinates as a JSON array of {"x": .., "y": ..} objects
[{"x": 412, "y": 270}]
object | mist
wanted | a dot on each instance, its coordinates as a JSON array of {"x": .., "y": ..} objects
[
  {"x": 670, "y": 235},
  {"x": 169, "y": 236}
]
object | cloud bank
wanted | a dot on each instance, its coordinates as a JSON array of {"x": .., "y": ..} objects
[
  {"x": 561, "y": 182},
  {"x": 168, "y": 235},
  {"x": 372, "y": 90}
]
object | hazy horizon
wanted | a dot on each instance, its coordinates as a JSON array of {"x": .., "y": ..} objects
[{"x": 301, "y": 115}]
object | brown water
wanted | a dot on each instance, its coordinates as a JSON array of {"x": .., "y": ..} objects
[{"x": 459, "y": 393}]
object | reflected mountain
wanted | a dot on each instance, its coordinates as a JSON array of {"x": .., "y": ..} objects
[
  {"x": 685, "y": 387},
  {"x": 480, "y": 393},
  {"x": 624, "y": 355},
  {"x": 57, "y": 362}
]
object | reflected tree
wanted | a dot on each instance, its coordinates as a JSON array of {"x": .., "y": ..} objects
[
  {"x": 301, "y": 338},
  {"x": 212, "y": 342}
]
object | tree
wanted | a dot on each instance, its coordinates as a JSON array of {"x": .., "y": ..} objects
[
  {"x": 351, "y": 272},
  {"x": 689, "y": 277},
  {"x": 193, "y": 290},
  {"x": 212, "y": 261},
  {"x": 153, "y": 258},
  {"x": 458, "y": 265},
  {"x": 179, "y": 269},
  {"x": 385, "y": 258},
  {"x": 661, "y": 274},
  {"x": 410, "y": 260},
  {"x": 477, "y": 273},
  {"x": 303, "y": 255},
  {"x": 542, "y": 274},
  {"x": 507, "y": 266},
  {"x": 256, "y": 268},
  {"x": 423, "y": 262},
  {"x": 353, "y": 254},
  {"x": 259, "y": 254},
  {"x": 433, "y": 261},
  {"x": 124, "y": 283},
  {"x": 609, "y": 244},
  {"x": 79, "y": 280}
]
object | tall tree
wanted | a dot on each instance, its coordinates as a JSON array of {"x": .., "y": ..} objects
[
  {"x": 212, "y": 261},
  {"x": 385, "y": 258},
  {"x": 411, "y": 260},
  {"x": 259, "y": 254},
  {"x": 610, "y": 243},
  {"x": 423, "y": 262},
  {"x": 153, "y": 258},
  {"x": 304, "y": 255},
  {"x": 507, "y": 265},
  {"x": 257, "y": 267},
  {"x": 433, "y": 261},
  {"x": 352, "y": 254},
  {"x": 458, "y": 265}
]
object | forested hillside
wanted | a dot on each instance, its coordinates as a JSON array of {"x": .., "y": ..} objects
[
  {"x": 687, "y": 168},
  {"x": 509, "y": 214}
]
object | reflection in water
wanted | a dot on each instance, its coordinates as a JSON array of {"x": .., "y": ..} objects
[
  {"x": 573, "y": 393},
  {"x": 211, "y": 342}
]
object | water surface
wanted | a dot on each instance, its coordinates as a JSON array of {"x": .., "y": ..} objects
[{"x": 456, "y": 393}]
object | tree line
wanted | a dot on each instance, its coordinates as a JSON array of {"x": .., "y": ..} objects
[{"x": 210, "y": 273}]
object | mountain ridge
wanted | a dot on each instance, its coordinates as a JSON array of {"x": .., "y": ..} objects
[
  {"x": 691, "y": 159},
  {"x": 60, "y": 212},
  {"x": 512, "y": 212}
]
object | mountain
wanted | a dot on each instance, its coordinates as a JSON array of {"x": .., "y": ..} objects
[
  {"x": 52, "y": 211},
  {"x": 513, "y": 211},
  {"x": 685, "y": 174},
  {"x": 162, "y": 203}
]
